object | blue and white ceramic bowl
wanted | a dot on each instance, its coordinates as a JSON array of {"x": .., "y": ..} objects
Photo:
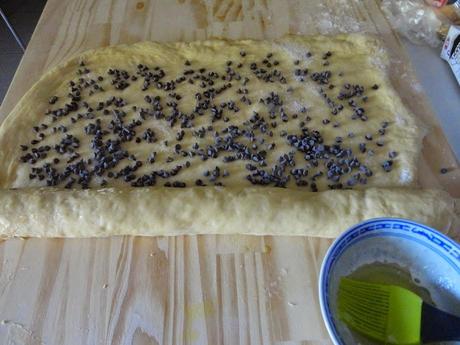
[{"x": 432, "y": 259}]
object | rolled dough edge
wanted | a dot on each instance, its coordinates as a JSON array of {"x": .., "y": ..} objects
[{"x": 51, "y": 212}]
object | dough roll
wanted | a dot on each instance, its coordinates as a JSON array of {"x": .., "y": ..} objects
[{"x": 48, "y": 212}]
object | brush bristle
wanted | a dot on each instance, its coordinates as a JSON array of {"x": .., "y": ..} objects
[
  {"x": 386, "y": 313},
  {"x": 364, "y": 307}
]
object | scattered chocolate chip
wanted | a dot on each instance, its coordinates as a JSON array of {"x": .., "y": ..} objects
[
  {"x": 178, "y": 184},
  {"x": 387, "y": 165},
  {"x": 324, "y": 160}
]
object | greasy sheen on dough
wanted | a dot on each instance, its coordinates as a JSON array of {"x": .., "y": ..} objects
[
  {"x": 390, "y": 131},
  {"x": 356, "y": 60},
  {"x": 50, "y": 212}
]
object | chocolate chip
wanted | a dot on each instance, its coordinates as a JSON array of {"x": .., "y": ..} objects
[
  {"x": 387, "y": 165},
  {"x": 178, "y": 184},
  {"x": 313, "y": 187}
]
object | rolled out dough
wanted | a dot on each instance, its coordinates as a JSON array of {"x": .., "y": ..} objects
[
  {"x": 49, "y": 212},
  {"x": 295, "y": 83}
]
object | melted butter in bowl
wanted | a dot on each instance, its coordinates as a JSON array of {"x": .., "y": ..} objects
[
  {"x": 390, "y": 251},
  {"x": 391, "y": 274}
]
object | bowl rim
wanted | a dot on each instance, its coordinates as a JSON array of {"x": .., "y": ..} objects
[{"x": 337, "y": 246}]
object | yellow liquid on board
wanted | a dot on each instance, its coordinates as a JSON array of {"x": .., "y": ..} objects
[{"x": 391, "y": 274}]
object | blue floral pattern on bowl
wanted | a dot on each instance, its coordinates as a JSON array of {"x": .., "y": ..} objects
[{"x": 403, "y": 239}]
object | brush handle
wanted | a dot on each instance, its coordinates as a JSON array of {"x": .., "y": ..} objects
[{"x": 437, "y": 325}]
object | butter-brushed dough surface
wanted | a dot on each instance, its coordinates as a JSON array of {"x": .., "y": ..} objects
[
  {"x": 298, "y": 83},
  {"x": 356, "y": 61}
]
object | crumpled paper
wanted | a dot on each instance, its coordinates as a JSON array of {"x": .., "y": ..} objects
[{"x": 414, "y": 20}]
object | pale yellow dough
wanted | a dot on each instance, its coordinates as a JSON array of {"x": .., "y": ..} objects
[
  {"x": 238, "y": 207},
  {"x": 49, "y": 212},
  {"x": 356, "y": 59}
]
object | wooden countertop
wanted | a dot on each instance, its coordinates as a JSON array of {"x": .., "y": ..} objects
[{"x": 195, "y": 289}]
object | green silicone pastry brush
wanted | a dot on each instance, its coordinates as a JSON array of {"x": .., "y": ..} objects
[{"x": 393, "y": 315}]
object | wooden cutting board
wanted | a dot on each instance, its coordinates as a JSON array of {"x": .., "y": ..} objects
[{"x": 195, "y": 289}]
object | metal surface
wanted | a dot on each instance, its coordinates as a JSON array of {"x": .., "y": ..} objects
[
  {"x": 440, "y": 86},
  {"x": 13, "y": 32}
]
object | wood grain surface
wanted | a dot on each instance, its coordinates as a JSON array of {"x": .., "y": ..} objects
[{"x": 187, "y": 289}]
